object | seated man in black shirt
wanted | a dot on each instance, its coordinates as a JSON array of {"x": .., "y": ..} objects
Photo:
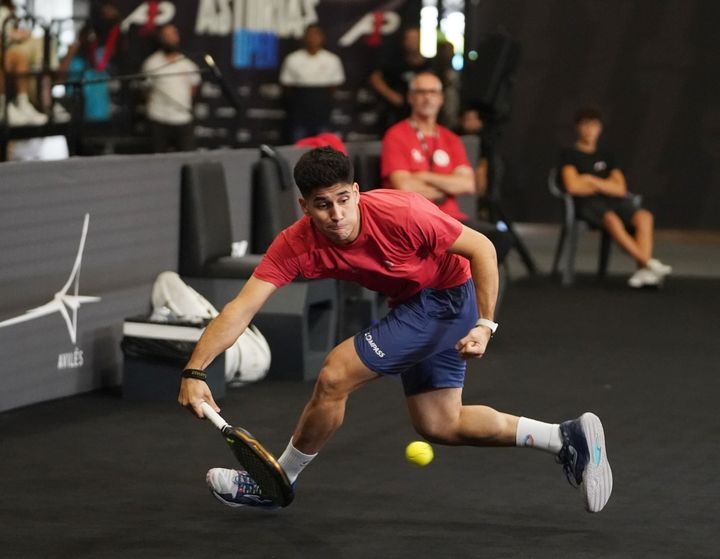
[{"x": 591, "y": 176}]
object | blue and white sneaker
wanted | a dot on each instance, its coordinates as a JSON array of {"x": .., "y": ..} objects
[
  {"x": 584, "y": 459},
  {"x": 235, "y": 488}
]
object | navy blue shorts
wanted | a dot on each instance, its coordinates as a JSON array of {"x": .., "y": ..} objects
[{"x": 416, "y": 340}]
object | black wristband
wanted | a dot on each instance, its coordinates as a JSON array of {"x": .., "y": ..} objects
[{"x": 197, "y": 374}]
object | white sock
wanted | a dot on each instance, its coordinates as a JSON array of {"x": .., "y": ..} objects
[
  {"x": 536, "y": 434},
  {"x": 293, "y": 461}
]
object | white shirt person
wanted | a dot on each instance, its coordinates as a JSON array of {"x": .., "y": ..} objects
[
  {"x": 173, "y": 80},
  {"x": 309, "y": 76}
]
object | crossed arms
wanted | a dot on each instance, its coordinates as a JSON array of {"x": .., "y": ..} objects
[
  {"x": 585, "y": 184},
  {"x": 435, "y": 186}
]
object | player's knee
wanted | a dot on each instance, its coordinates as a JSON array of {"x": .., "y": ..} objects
[
  {"x": 331, "y": 383},
  {"x": 436, "y": 436}
]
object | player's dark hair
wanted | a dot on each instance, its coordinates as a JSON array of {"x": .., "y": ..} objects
[
  {"x": 320, "y": 168},
  {"x": 589, "y": 112}
]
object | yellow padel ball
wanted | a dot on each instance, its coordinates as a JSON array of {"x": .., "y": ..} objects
[{"x": 419, "y": 453}]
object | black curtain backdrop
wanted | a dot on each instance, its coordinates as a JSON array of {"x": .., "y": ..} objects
[{"x": 652, "y": 66}]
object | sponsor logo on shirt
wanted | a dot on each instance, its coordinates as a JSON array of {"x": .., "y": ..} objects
[
  {"x": 416, "y": 155},
  {"x": 373, "y": 345},
  {"x": 599, "y": 166},
  {"x": 441, "y": 158}
]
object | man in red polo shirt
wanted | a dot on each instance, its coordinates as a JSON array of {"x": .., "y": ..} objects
[{"x": 419, "y": 155}]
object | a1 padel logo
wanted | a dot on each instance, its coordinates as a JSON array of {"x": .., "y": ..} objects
[{"x": 65, "y": 305}]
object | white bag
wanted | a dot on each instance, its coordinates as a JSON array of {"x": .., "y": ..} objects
[
  {"x": 253, "y": 355},
  {"x": 184, "y": 304},
  {"x": 247, "y": 360}
]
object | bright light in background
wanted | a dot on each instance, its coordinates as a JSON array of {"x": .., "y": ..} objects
[
  {"x": 46, "y": 10},
  {"x": 452, "y": 29},
  {"x": 53, "y": 9},
  {"x": 49, "y": 10},
  {"x": 428, "y": 31}
]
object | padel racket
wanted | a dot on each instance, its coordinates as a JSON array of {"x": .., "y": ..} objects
[{"x": 257, "y": 461}]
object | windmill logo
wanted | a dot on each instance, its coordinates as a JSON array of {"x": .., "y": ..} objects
[{"x": 62, "y": 302}]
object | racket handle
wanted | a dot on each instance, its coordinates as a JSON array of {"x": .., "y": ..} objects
[{"x": 213, "y": 416}]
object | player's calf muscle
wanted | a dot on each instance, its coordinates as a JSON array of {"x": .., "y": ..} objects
[{"x": 483, "y": 425}]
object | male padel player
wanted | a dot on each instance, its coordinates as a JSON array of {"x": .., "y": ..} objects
[{"x": 441, "y": 279}]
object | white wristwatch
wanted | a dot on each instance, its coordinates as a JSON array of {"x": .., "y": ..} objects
[{"x": 488, "y": 324}]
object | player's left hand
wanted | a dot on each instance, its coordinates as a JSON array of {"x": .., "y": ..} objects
[{"x": 475, "y": 343}]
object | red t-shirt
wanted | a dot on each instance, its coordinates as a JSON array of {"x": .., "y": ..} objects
[
  {"x": 405, "y": 149},
  {"x": 401, "y": 249}
]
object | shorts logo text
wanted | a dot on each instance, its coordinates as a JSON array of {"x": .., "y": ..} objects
[{"x": 373, "y": 345}]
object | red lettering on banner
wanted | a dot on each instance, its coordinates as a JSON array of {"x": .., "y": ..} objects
[
  {"x": 149, "y": 27},
  {"x": 375, "y": 38}
]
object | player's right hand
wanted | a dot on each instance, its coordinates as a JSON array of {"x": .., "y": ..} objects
[
  {"x": 475, "y": 343},
  {"x": 194, "y": 392}
]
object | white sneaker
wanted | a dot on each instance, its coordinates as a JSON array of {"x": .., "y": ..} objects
[
  {"x": 659, "y": 268},
  {"x": 22, "y": 113},
  {"x": 60, "y": 115},
  {"x": 644, "y": 277},
  {"x": 584, "y": 458},
  {"x": 235, "y": 488}
]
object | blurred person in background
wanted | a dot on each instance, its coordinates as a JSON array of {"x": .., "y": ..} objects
[
  {"x": 443, "y": 67},
  {"x": 392, "y": 78},
  {"x": 422, "y": 156},
  {"x": 94, "y": 57},
  {"x": 309, "y": 77},
  {"x": 173, "y": 82},
  {"x": 22, "y": 52},
  {"x": 82, "y": 63},
  {"x": 591, "y": 175}
]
